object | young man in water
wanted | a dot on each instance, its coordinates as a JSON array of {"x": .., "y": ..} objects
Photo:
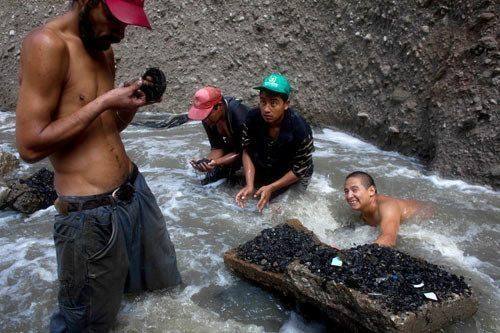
[
  {"x": 223, "y": 119},
  {"x": 110, "y": 235},
  {"x": 277, "y": 145},
  {"x": 376, "y": 209}
]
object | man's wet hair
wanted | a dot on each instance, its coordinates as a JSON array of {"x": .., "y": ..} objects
[
  {"x": 284, "y": 97},
  {"x": 366, "y": 179}
]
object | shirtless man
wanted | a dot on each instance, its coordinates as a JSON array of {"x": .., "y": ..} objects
[
  {"x": 110, "y": 235},
  {"x": 376, "y": 209}
]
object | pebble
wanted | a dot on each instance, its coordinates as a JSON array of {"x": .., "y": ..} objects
[
  {"x": 425, "y": 28},
  {"x": 489, "y": 42},
  {"x": 393, "y": 129}
]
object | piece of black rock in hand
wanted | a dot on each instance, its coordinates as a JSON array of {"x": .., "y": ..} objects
[
  {"x": 154, "y": 84},
  {"x": 203, "y": 160}
]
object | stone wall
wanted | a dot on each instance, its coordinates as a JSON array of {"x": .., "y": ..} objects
[{"x": 420, "y": 77}]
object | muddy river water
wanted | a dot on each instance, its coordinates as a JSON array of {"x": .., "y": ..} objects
[{"x": 204, "y": 222}]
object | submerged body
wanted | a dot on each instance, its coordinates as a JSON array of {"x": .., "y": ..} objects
[
  {"x": 406, "y": 208},
  {"x": 380, "y": 210}
]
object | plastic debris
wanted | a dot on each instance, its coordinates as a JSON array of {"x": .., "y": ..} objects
[
  {"x": 431, "y": 296},
  {"x": 420, "y": 285},
  {"x": 336, "y": 262}
]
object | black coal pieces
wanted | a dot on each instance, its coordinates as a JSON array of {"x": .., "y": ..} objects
[
  {"x": 399, "y": 282},
  {"x": 154, "y": 84},
  {"x": 275, "y": 248},
  {"x": 393, "y": 277}
]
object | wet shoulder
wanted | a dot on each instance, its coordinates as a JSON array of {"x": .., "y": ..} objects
[{"x": 388, "y": 205}]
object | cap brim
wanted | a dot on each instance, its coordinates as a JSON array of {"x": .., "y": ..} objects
[
  {"x": 198, "y": 114},
  {"x": 260, "y": 88},
  {"x": 129, "y": 13}
]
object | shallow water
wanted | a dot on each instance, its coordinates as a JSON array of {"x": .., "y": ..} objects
[{"x": 204, "y": 222}]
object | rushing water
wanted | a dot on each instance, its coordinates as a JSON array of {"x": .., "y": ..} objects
[{"x": 204, "y": 222}]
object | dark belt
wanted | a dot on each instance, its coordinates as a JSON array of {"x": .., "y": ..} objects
[{"x": 124, "y": 192}]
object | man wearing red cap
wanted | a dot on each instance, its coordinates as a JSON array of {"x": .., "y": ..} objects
[
  {"x": 110, "y": 236},
  {"x": 223, "y": 119}
]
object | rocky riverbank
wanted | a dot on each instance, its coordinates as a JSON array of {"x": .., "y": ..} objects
[{"x": 420, "y": 77}]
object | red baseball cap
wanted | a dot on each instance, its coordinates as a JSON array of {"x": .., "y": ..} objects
[
  {"x": 203, "y": 102},
  {"x": 129, "y": 12}
]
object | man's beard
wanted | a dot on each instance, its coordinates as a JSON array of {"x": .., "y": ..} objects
[{"x": 87, "y": 33}]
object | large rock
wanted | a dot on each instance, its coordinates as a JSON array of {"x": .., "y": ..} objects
[
  {"x": 349, "y": 305},
  {"x": 370, "y": 291},
  {"x": 33, "y": 193},
  {"x": 8, "y": 163}
]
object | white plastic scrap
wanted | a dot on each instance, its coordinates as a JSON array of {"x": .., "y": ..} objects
[
  {"x": 336, "y": 262},
  {"x": 431, "y": 296},
  {"x": 420, "y": 285}
]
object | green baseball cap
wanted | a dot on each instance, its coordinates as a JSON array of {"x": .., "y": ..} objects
[{"x": 277, "y": 83}]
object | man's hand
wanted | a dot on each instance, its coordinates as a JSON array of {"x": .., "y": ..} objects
[
  {"x": 242, "y": 196},
  {"x": 265, "y": 193},
  {"x": 126, "y": 98},
  {"x": 203, "y": 165}
]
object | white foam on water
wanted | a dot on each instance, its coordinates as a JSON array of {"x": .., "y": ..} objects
[
  {"x": 204, "y": 222},
  {"x": 296, "y": 324},
  {"x": 47, "y": 212},
  {"x": 346, "y": 140},
  {"x": 175, "y": 312},
  {"x": 459, "y": 185},
  {"x": 15, "y": 259},
  {"x": 10, "y": 217},
  {"x": 321, "y": 183},
  {"x": 314, "y": 214}
]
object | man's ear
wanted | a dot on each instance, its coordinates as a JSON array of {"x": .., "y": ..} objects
[
  {"x": 287, "y": 104},
  {"x": 372, "y": 191}
]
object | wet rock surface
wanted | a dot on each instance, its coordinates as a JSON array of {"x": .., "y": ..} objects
[
  {"x": 8, "y": 163},
  {"x": 33, "y": 193},
  {"x": 386, "y": 274},
  {"x": 371, "y": 288}
]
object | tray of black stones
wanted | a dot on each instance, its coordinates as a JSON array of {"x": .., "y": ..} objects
[{"x": 395, "y": 282}]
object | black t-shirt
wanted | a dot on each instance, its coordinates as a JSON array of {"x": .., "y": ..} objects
[
  {"x": 235, "y": 118},
  {"x": 291, "y": 150}
]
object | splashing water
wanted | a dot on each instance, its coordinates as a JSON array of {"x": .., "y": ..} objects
[{"x": 204, "y": 222}]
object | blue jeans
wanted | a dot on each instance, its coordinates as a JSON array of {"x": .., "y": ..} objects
[{"x": 105, "y": 252}]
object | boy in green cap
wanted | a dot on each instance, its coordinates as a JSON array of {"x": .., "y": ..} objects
[{"x": 277, "y": 145}]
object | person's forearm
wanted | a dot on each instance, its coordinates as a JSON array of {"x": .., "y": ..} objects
[
  {"x": 61, "y": 131},
  {"x": 123, "y": 119},
  {"x": 215, "y": 154},
  {"x": 227, "y": 159},
  {"x": 288, "y": 179},
  {"x": 248, "y": 169}
]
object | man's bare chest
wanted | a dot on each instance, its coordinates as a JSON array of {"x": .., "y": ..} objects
[{"x": 88, "y": 78}]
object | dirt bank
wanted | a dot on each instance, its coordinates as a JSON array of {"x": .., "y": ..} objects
[{"x": 420, "y": 77}]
